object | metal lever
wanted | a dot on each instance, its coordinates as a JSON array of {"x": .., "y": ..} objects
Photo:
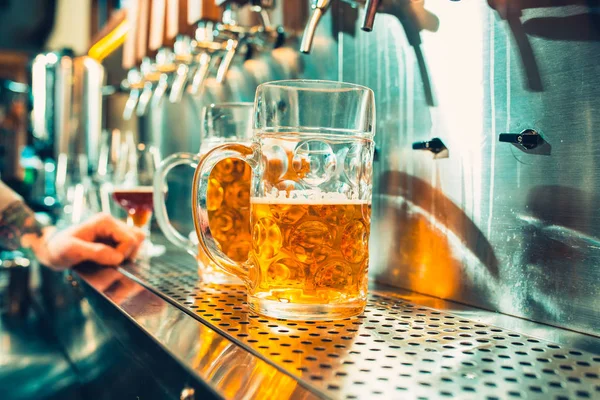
[
  {"x": 435, "y": 145},
  {"x": 529, "y": 139},
  {"x": 232, "y": 46},
  {"x": 370, "y": 12},
  {"x": 144, "y": 99},
  {"x": 319, "y": 7},
  {"x": 183, "y": 56},
  {"x": 134, "y": 83},
  {"x": 201, "y": 73},
  {"x": 165, "y": 65},
  {"x": 150, "y": 77}
]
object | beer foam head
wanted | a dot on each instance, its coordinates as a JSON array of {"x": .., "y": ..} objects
[
  {"x": 306, "y": 201},
  {"x": 310, "y": 196}
]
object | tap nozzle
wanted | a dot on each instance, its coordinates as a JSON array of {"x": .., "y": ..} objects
[
  {"x": 183, "y": 58},
  {"x": 319, "y": 7},
  {"x": 370, "y": 11},
  {"x": 134, "y": 83},
  {"x": 232, "y": 46}
]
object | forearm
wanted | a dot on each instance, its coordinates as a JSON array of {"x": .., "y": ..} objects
[{"x": 20, "y": 229}]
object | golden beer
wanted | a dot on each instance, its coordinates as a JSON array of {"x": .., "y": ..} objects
[
  {"x": 228, "y": 204},
  {"x": 310, "y": 252}
]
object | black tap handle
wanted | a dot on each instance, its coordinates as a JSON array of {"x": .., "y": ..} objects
[
  {"x": 434, "y": 145},
  {"x": 528, "y": 139}
]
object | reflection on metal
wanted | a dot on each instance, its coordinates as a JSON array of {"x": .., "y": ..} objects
[
  {"x": 32, "y": 365},
  {"x": 67, "y": 104},
  {"x": 229, "y": 370},
  {"x": 491, "y": 225},
  {"x": 395, "y": 349}
]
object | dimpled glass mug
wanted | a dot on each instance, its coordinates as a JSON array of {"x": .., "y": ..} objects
[
  {"x": 228, "y": 195},
  {"x": 310, "y": 204}
]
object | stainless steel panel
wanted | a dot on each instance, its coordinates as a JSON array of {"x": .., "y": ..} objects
[
  {"x": 490, "y": 225},
  {"x": 396, "y": 349}
]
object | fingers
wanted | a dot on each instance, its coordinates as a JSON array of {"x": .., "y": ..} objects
[
  {"x": 67, "y": 251},
  {"x": 102, "y": 226}
]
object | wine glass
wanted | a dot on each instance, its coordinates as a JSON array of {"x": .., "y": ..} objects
[
  {"x": 74, "y": 188},
  {"x": 111, "y": 146},
  {"x": 132, "y": 188}
]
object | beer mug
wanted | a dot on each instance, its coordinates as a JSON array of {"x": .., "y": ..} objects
[
  {"x": 310, "y": 205},
  {"x": 228, "y": 202}
]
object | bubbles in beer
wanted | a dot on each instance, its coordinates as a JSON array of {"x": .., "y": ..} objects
[
  {"x": 288, "y": 213},
  {"x": 355, "y": 239},
  {"x": 229, "y": 170},
  {"x": 214, "y": 197},
  {"x": 309, "y": 251},
  {"x": 228, "y": 204},
  {"x": 314, "y": 161},
  {"x": 311, "y": 256},
  {"x": 237, "y": 194},
  {"x": 239, "y": 249},
  {"x": 266, "y": 238},
  {"x": 285, "y": 272},
  {"x": 336, "y": 213},
  {"x": 335, "y": 275},
  {"x": 310, "y": 234}
]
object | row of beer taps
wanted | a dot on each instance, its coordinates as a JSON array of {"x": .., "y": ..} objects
[
  {"x": 193, "y": 59},
  {"x": 411, "y": 13}
]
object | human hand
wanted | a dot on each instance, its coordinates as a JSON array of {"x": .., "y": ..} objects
[{"x": 102, "y": 239}]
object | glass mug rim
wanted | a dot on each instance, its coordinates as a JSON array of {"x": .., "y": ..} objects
[
  {"x": 209, "y": 137},
  {"x": 312, "y": 86},
  {"x": 316, "y": 85},
  {"x": 231, "y": 104}
]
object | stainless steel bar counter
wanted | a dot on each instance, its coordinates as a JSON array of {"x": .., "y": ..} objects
[{"x": 404, "y": 346}]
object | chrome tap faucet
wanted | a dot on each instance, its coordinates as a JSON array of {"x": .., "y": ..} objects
[
  {"x": 165, "y": 65},
  {"x": 184, "y": 59},
  {"x": 134, "y": 83},
  {"x": 150, "y": 77},
  {"x": 319, "y": 8}
]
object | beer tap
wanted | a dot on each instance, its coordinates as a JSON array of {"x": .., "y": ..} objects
[
  {"x": 233, "y": 34},
  {"x": 411, "y": 13},
  {"x": 150, "y": 78},
  {"x": 134, "y": 83},
  {"x": 238, "y": 36},
  {"x": 165, "y": 66},
  {"x": 319, "y": 7},
  {"x": 205, "y": 48},
  {"x": 183, "y": 59}
]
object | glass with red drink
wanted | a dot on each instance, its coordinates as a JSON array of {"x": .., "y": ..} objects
[{"x": 133, "y": 189}]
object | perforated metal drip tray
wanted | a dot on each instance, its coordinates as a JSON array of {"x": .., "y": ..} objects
[{"x": 395, "y": 350}]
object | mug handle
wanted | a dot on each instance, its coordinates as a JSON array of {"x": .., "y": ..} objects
[
  {"x": 248, "y": 154},
  {"x": 160, "y": 206}
]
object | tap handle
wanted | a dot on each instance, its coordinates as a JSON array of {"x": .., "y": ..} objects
[
  {"x": 370, "y": 11},
  {"x": 319, "y": 7},
  {"x": 134, "y": 83},
  {"x": 131, "y": 104},
  {"x": 201, "y": 73},
  {"x": 144, "y": 99},
  {"x": 179, "y": 83},
  {"x": 232, "y": 46},
  {"x": 435, "y": 145},
  {"x": 528, "y": 139}
]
